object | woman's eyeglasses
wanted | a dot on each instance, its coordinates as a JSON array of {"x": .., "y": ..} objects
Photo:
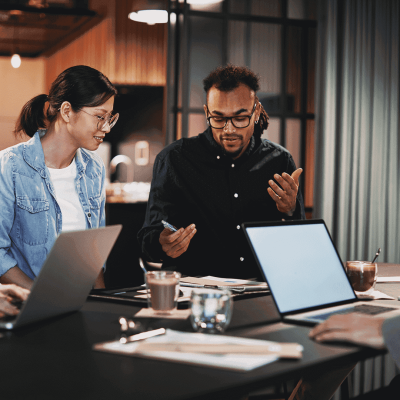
[{"x": 109, "y": 119}]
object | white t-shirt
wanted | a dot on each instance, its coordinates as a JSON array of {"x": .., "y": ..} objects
[{"x": 73, "y": 217}]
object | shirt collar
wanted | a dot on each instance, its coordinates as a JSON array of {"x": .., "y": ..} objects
[
  {"x": 33, "y": 153},
  {"x": 34, "y": 156}
]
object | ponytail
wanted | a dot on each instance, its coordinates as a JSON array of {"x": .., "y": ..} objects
[
  {"x": 32, "y": 116},
  {"x": 263, "y": 122},
  {"x": 80, "y": 85}
]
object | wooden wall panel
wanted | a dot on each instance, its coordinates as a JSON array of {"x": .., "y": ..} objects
[
  {"x": 127, "y": 52},
  {"x": 140, "y": 50},
  {"x": 94, "y": 48}
]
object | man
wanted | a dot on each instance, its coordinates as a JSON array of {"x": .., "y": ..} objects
[
  {"x": 365, "y": 331},
  {"x": 209, "y": 184}
]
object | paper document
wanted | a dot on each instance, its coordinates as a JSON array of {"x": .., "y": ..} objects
[
  {"x": 375, "y": 294},
  {"x": 386, "y": 279},
  {"x": 204, "y": 349},
  {"x": 283, "y": 350},
  {"x": 149, "y": 313},
  {"x": 214, "y": 282}
]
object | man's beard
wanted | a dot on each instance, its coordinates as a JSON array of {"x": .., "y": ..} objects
[{"x": 231, "y": 154}]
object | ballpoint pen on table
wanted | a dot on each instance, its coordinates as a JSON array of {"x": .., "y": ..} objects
[{"x": 143, "y": 335}]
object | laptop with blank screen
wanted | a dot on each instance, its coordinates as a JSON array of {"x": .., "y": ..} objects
[
  {"x": 304, "y": 271},
  {"x": 67, "y": 275}
]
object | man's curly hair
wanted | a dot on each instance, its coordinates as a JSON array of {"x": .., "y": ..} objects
[{"x": 229, "y": 78}]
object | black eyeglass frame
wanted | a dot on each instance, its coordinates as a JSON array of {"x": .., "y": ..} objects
[{"x": 231, "y": 118}]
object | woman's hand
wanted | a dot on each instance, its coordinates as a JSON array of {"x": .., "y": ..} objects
[{"x": 9, "y": 293}]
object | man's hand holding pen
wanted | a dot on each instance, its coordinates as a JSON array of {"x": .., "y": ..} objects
[{"x": 176, "y": 243}]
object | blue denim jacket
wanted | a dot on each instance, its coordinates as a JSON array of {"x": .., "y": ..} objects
[{"x": 30, "y": 217}]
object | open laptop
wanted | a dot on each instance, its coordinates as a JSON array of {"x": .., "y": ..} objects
[
  {"x": 67, "y": 275},
  {"x": 304, "y": 271}
]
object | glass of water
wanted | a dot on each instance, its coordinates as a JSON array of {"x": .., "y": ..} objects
[{"x": 211, "y": 310}]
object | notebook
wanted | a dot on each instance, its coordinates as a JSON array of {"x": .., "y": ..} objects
[
  {"x": 67, "y": 275},
  {"x": 304, "y": 271}
]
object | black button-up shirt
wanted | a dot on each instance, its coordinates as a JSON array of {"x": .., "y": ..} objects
[{"x": 195, "y": 183}]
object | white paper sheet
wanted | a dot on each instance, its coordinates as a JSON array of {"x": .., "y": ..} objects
[
  {"x": 149, "y": 313},
  {"x": 227, "y": 361},
  {"x": 386, "y": 279},
  {"x": 376, "y": 295}
]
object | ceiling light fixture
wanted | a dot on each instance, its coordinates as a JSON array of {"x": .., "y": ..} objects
[
  {"x": 150, "y": 12},
  {"x": 150, "y": 17},
  {"x": 16, "y": 61},
  {"x": 15, "y": 58},
  {"x": 155, "y": 11},
  {"x": 201, "y": 2}
]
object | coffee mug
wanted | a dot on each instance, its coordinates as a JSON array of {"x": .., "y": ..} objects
[
  {"x": 362, "y": 275},
  {"x": 162, "y": 291}
]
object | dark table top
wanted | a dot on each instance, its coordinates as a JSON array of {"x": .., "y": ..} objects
[{"x": 54, "y": 359}]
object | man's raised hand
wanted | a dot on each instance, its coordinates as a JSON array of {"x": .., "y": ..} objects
[
  {"x": 285, "y": 193},
  {"x": 176, "y": 243}
]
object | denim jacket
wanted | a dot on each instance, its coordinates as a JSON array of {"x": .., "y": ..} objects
[{"x": 30, "y": 217}]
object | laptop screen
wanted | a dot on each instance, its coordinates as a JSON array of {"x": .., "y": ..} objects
[{"x": 300, "y": 264}]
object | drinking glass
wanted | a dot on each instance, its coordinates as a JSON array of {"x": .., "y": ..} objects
[
  {"x": 211, "y": 310},
  {"x": 362, "y": 275},
  {"x": 162, "y": 291}
]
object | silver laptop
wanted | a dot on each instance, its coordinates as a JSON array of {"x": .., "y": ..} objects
[
  {"x": 67, "y": 275},
  {"x": 304, "y": 271}
]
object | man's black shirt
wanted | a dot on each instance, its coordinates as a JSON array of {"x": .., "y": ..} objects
[{"x": 194, "y": 182}]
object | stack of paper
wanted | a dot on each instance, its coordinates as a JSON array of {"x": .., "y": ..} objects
[
  {"x": 220, "y": 283},
  {"x": 219, "y": 351}
]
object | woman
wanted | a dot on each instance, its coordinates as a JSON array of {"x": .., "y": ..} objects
[{"x": 52, "y": 183}]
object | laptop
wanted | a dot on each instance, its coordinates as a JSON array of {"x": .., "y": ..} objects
[
  {"x": 304, "y": 272},
  {"x": 67, "y": 275}
]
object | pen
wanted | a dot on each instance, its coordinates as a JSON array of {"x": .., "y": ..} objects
[
  {"x": 143, "y": 335},
  {"x": 141, "y": 263},
  {"x": 168, "y": 226}
]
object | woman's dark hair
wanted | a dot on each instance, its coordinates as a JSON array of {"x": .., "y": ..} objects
[
  {"x": 230, "y": 77},
  {"x": 82, "y": 86}
]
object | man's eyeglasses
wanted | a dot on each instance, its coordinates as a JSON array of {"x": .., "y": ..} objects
[
  {"x": 109, "y": 118},
  {"x": 239, "y": 121}
]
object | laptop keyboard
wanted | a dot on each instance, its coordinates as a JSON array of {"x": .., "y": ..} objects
[{"x": 363, "y": 309}]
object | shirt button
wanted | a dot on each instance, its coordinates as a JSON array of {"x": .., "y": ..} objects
[
  {"x": 241, "y": 258},
  {"x": 238, "y": 227},
  {"x": 236, "y": 195},
  {"x": 89, "y": 215},
  {"x": 218, "y": 157},
  {"x": 233, "y": 165}
]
